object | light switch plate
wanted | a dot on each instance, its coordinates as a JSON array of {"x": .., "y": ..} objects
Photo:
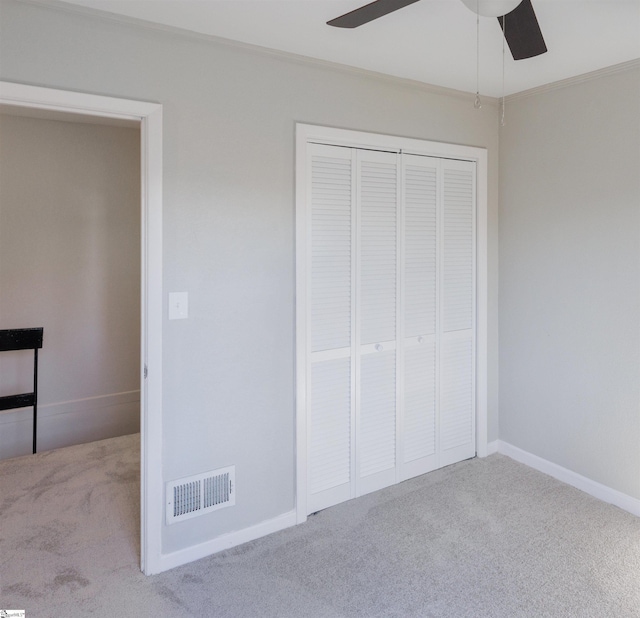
[{"x": 178, "y": 305}]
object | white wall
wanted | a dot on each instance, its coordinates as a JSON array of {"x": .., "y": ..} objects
[
  {"x": 70, "y": 262},
  {"x": 229, "y": 118},
  {"x": 570, "y": 278}
]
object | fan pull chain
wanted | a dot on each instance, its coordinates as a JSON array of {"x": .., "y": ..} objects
[
  {"x": 504, "y": 32},
  {"x": 477, "y": 104}
]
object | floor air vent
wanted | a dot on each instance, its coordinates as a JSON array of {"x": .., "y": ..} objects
[{"x": 200, "y": 494}]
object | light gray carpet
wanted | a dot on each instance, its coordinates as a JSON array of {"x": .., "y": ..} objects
[{"x": 483, "y": 538}]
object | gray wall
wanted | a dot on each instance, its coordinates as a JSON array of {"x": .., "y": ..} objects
[
  {"x": 70, "y": 262},
  {"x": 570, "y": 278},
  {"x": 229, "y": 120}
]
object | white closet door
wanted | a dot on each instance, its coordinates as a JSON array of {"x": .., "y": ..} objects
[
  {"x": 389, "y": 381},
  {"x": 378, "y": 298},
  {"x": 330, "y": 368},
  {"x": 457, "y": 336},
  {"x": 420, "y": 267}
]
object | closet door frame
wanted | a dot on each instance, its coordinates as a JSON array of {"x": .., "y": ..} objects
[{"x": 311, "y": 134}]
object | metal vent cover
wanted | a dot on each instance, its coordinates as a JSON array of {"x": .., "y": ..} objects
[{"x": 200, "y": 494}]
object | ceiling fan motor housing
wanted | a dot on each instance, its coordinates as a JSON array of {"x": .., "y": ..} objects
[{"x": 491, "y": 8}]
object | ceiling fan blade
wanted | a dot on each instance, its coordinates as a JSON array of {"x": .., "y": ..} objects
[
  {"x": 368, "y": 13},
  {"x": 522, "y": 32}
]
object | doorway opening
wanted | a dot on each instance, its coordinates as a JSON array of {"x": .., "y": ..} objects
[
  {"x": 147, "y": 117},
  {"x": 70, "y": 264}
]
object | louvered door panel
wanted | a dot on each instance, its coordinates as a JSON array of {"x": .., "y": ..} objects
[
  {"x": 377, "y": 317},
  {"x": 331, "y": 404},
  {"x": 458, "y": 246},
  {"x": 378, "y": 246},
  {"x": 420, "y": 269},
  {"x": 457, "y": 417},
  {"x": 419, "y": 394},
  {"x": 331, "y": 248},
  {"x": 457, "y": 337},
  {"x": 420, "y": 233},
  {"x": 330, "y": 429},
  {"x": 377, "y": 421}
]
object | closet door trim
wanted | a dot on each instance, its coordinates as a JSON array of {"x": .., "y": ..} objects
[{"x": 310, "y": 134}]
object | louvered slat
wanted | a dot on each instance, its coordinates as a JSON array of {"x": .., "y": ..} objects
[
  {"x": 378, "y": 248},
  {"x": 377, "y": 428},
  {"x": 331, "y": 203},
  {"x": 458, "y": 246},
  {"x": 419, "y": 401},
  {"x": 420, "y": 177},
  {"x": 456, "y": 392},
  {"x": 330, "y": 418}
]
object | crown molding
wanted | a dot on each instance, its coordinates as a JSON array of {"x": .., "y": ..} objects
[
  {"x": 577, "y": 79},
  {"x": 261, "y": 51}
]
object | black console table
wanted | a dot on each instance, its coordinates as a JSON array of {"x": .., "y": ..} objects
[{"x": 23, "y": 339}]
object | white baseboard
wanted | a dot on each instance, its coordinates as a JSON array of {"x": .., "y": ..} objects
[
  {"x": 226, "y": 541},
  {"x": 597, "y": 490},
  {"x": 286, "y": 520},
  {"x": 70, "y": 422}
]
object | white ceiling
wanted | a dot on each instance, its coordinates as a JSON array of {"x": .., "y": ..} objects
[{"x": 432, "y": 41}]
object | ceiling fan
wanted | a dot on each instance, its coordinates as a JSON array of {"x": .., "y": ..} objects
[{"x": 517, "y": 20}]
